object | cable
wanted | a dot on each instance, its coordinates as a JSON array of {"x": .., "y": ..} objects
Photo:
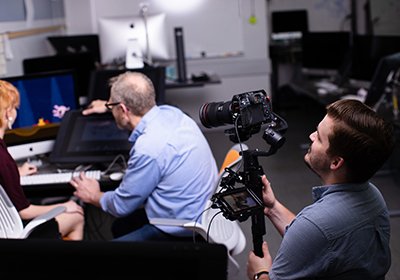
[
  {"x": 195, "y": 222},
  {"x": 209, "y": 224},
  {"x": 120, "y": 156}
]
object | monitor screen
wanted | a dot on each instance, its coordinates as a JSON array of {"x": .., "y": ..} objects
[
  {"x": 83, "y": 64},
  {"x": 89, "y": 139},
  {"x": 99, "y": 83},
  {"x": 368, "y": 50},
  {"x": 73, "y": 44},
  {"x": 115, "y": 32},
  {"x": 44, "y": 100},
  {"x": 325, "y": 50},
  {"x": 289, "y": 21}
]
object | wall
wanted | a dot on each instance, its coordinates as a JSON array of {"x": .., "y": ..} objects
[
  {"x": 24, "y": 21},
  {"x": 216, "y": 27}
]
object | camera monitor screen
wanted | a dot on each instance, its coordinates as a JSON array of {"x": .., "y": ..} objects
[
  {"x": 239, "y": 203},
  {"x": 89, "y": 139}
]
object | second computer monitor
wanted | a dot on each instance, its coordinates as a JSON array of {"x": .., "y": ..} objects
[
  {"x": 325, "y": 52},
  {"x": 99, "y": 87}
]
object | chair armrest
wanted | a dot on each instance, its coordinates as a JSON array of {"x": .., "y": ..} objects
[
  {"x": 188, "y": 224},
  {"x": 42, "y": 219},
  {"x": 168, "y": 222}
]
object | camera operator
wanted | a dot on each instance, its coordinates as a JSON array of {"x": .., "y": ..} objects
[{"x": 345, "y": 233}]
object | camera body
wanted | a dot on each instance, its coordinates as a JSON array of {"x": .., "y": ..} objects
[{"x": 248, "y": 111}]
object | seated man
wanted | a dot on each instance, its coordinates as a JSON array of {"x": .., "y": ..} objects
[{"x": 171, "y": 169}]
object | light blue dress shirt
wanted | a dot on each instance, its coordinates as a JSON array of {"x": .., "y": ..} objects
[{"x": 171, "y": 170}]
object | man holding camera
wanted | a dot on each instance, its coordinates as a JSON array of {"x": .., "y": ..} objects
[{"x": 345, "y": 233}]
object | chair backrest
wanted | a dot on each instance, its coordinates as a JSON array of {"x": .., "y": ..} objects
[
  {"x": 217, "y": 228},
  {"x": 379, "y": 81},
  {"x": 10, "y": 221}
]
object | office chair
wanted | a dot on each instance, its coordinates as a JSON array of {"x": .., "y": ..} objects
[
  {"x": 11, "y": 225},
  {"x": 377, "y": 91},
  {"x": 214, "y": 227}
]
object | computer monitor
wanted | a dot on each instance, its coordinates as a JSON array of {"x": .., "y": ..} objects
[
  {"x": 115, "y": 32},
  {"x": 99, "y": 82},
  {"x": 325, "y": 52},
  {"x": 75, "y": 44},
  {"x": 44, "y": 100},
  {"x": 290, "y": 21},
  {"x": 82, "y": 63},
  {"x": 89, "y": 139},
  {"x": 368, "y": 50}
]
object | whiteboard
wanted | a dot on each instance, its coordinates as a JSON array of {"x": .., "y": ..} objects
[{"x": 385, "y": 16}]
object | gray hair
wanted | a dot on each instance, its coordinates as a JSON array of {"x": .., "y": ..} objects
[{"x": 135, "y": 90}]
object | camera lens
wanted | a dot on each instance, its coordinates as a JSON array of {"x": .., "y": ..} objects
[{"x": 215, "y": 114}]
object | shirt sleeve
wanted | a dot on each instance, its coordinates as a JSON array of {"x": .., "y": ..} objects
[
  {"x": 130, "y": 194},
  {"x": 303, "y": 253},
  {"x": 10, "y": 180}
]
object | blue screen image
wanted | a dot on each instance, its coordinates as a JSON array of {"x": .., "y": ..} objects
[{"x": 44, "y": 98}]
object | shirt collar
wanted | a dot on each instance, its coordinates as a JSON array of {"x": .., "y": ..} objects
[
  {"x": 320, "y": 191},
  {"x": 147, "y": 118}
]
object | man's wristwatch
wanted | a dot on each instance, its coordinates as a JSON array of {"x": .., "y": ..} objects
[{"x": 258, "y": 275}]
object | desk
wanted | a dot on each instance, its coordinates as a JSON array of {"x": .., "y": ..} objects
[
  {"x": 55, "y": 189},
  {"x": 309, "y": 88},
  {"x": 213, "y": 79}
]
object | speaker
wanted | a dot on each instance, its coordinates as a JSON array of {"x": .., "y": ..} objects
[{"x": 180, "y": 54}]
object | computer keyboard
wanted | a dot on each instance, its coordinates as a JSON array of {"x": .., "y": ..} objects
[{"x": 56, "y": 178}]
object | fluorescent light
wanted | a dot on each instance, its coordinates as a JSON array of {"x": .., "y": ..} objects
[{"x": 178, "y": 6}]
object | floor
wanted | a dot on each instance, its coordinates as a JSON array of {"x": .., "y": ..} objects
[{"x": 292, "y": 180}]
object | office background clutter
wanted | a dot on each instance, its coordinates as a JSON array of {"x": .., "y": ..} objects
[{"x": 231, "y": 39}]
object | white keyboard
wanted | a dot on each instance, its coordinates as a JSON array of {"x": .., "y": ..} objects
[{"x": 56, "y": 178}]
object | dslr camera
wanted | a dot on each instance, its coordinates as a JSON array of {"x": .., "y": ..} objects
[{"x": 247, "y": 111}]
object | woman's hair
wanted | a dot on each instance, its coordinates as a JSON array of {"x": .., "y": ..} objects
[
  {"x": 135, "y": 90},
  {"x": 361, "y": 137},
  {"x": 9, "y": 97}
]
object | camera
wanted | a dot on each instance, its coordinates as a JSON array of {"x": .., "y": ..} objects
[
  {"x": 237, "y": 204},
  {"x": 247, "y": 111}
]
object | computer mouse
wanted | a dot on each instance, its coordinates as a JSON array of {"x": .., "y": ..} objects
[{"x": 116, "y": 176}]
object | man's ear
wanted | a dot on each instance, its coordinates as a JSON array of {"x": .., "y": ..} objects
[
  {"x": 124, "y": 108},
  {"x": 337, "y": 162}
]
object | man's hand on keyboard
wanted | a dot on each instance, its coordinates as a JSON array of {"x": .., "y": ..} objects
[{"x": 87, "y": 189}]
